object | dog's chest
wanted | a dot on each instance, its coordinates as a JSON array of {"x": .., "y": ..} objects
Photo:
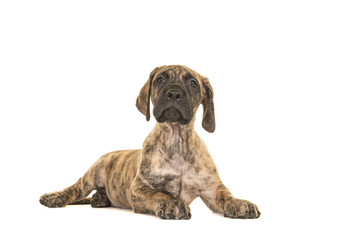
[{"x": 176, "y": 175}]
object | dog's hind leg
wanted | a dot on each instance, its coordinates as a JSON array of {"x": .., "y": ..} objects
[
  {"x": 93, "y": 179},
  {"x": 80, "y": 190}
]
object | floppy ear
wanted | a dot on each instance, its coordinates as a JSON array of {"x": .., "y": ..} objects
[
  {"x": 143, "y": 100},
  {"x": 208, "y": 121}
]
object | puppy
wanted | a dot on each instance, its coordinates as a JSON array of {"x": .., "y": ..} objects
[{"x": 172, "y": 168}]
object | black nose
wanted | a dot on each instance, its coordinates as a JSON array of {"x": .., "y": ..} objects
[{"x": 173, "y": 94}]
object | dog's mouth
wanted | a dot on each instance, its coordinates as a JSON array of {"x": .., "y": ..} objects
[{"x": 172, "y": 114}]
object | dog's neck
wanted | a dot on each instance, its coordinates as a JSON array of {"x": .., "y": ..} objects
[
  {"x": 170, "y": 129},
  {"x": 175, "y": 136}
]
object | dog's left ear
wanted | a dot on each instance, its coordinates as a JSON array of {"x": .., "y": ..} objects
[
  {"x": 143, "y": 100},
  {"x": 208, "y": 121}
]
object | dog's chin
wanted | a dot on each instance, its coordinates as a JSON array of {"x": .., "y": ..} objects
[{"x": 172, "y": 115}]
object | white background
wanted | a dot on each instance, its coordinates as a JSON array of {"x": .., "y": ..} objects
[{"x": 286, "y": 79}]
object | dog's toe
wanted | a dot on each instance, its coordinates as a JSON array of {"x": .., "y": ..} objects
[
  {"x": 237, "y": 208},
  {"x": 173, "y": 210}
]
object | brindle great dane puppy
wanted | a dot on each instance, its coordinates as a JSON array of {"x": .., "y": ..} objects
[{"x": 172, "y": 168}]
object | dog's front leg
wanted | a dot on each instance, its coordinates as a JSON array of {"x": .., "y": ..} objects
[
  {"x": 219, "y": 199},
  {"x": 145, "y": 199}
]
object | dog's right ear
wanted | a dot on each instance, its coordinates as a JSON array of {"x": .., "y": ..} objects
[
  {"x": 208, "y": 121},
  {"x": 143, "y": 100}
]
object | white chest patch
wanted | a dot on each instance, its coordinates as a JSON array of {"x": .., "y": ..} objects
[{"x": 176, "y": 176}]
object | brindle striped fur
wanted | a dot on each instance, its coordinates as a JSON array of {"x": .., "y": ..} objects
[{"x": 172, "y": 168}]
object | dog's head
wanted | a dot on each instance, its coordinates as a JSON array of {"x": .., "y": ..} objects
[{"x": 176, "y": 93}]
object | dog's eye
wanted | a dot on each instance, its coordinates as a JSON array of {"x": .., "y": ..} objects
[
  {"x": 193, "y": 83},
  {"x": 160, "y": 79}
]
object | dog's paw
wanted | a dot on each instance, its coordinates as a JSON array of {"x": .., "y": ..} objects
[
  {"x": 100, "y": 199},
  {"x": 54, "y": 200},
  {"x": 236, "y": 208},
  {"x": 173, "y": 209}
]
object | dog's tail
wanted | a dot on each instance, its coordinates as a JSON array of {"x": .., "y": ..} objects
[
  {"x": 83, "y": 201},
  {"x": 98, "y": 199}
]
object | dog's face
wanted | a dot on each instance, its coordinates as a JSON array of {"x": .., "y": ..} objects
[{"x": 176, "y": 93}]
